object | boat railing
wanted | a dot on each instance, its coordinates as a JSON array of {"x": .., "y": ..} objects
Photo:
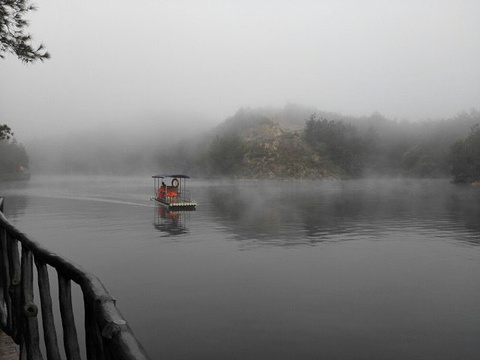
[
  {"x": 107, "y": 334},
  {"x": 185, "y": 195}
]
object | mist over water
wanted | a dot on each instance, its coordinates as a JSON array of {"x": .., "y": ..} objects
[
  {"x": 362, "y": 269},
  {"x": 377, "y": 269}
]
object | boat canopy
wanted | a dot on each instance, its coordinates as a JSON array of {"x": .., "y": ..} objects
[{"x": 180, "y": 176}]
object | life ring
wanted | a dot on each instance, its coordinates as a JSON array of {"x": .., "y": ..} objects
[{"x": 175, "y": 182}]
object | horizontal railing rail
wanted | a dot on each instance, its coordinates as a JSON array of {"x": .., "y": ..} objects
[{"x": 107, "y": 334}]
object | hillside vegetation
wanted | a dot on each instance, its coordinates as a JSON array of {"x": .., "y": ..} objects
[
  {"x": 13, "y": 157},
  {"x": 272, "y": 143},
  {"x": 299, "y": 142}
]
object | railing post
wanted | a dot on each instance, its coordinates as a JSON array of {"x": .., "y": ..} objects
[
  {"x": 49, "y": 333},
  {"x": 30, "y": 309},
  {"x": 70, "y": 338},
  {"x": 5, "y": 303},
  {"x": 14, "y": 288},
  {"x": 94, "y": 341},
  {"x": 108, "y": 336}
]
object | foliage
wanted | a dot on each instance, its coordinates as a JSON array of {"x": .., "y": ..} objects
[
  {"x": 263, "y": 143},
  {"x": 338, "y": 141},
  {"x": 226, "y": 154},
  {"x": 12, "y": 156},
  {"x": 13, "y": 38},
  {"x": 465, "y": 157},
  {"x": 5, "y": 132},
  {"x": 289, "y": 143},
  {"x": 274, "y": 145}
]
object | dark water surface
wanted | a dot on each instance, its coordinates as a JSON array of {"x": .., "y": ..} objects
[{"x": 377, "y": 269}]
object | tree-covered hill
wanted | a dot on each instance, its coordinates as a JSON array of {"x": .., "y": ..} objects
[
  {"x": 465, "y": 157},
  {"x": 266, "y": 143},
  {"x": 293, "y": 142},
  {"x": 264, "y": 149},
  {"x": 13, "y": 157}
]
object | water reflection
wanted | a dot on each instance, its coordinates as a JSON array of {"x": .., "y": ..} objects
[
  {"x": 464, "y": 207},
  {"x": 172, "y": 222},
  {"x": 364, "y": 292},
  {"x": 14, "y": 206},
  {"x": 10, "y": 186},
  {"x": 299, "y": 213}
]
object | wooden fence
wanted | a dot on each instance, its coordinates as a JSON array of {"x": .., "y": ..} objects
[{"x": 107, "y": 334}]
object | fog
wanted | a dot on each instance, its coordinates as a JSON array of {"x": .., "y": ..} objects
[{"x": 126, "y": 69}]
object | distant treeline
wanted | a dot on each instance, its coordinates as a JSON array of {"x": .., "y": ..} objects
[
  {"x": 465, "y": 157},
  {"x": 288, "y": 143},
  {"x": 13, "y": 156},
  {"x": 271, "y": 143}
]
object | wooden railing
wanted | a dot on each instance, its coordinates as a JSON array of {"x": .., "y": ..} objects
[{"x": 107, "y": 334}]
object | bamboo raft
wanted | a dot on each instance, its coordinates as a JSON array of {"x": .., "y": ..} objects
[{"x": 175, "y": 195}]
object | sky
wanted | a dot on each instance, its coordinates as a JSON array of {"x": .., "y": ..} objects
[{"x": 115, "y": 63}]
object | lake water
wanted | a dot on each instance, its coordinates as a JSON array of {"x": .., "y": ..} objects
[{"x": 368, "y": 269}]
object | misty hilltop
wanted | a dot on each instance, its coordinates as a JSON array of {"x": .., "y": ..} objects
[
  {"x": 302, "y": 142},
  {"x": 295, "y": 141},
  {"x": 266, "y": 143}
]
